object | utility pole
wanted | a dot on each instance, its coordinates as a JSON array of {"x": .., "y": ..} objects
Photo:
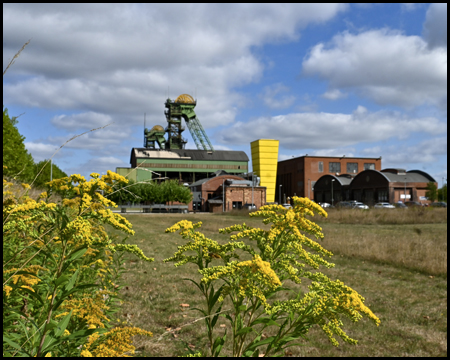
[{"x": 223, "y": 195}]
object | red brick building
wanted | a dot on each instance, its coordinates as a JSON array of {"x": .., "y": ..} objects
[
  {"x": 209, "y": 194},
  {"x": 297, "y": 176},
  {"x": 372, "y": 186}
]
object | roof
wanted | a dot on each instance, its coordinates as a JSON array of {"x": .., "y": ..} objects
[
  {"x": 333, "y": 157},
  {"x": 410, "y": 176},
  {"x": 216, "y": 155},
  {"x": 199, "y": 182}
]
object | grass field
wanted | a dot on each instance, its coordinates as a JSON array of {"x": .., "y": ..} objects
[{"x": 396, "y": 260}]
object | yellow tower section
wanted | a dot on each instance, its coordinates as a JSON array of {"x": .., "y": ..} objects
[{"x": 265, "y": 161}]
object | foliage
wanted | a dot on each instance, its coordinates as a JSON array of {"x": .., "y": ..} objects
[
  {"x": 251, "y": 286},
  {"x": 42, "y": 171},
  {"x": 60, "y": 271},
  {"x": 442, "y": 193},
  {"x": 18, "y": 160},
  {"x": 431, "y": 192},
  {"x": 152, "y": 192}
]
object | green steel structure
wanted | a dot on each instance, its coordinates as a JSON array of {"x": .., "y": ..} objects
[
  {"x": 167, "y": 158},
  {"x": 181, "y": 108},
  {"x": 153, "y": 136},
  {"x": 185, "y": 165}
]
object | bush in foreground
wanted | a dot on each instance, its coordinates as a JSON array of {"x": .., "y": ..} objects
[
  {"x": 60, "y": 271},
  {"x": 278, "y": 257}
]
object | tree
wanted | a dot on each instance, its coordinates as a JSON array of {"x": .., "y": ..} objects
[
  {"x": 431, "y": 192},
  {"x": 44, "y": 175},
  {"x": 18, "y": 160},
  {"x": 442, "y": 193}
]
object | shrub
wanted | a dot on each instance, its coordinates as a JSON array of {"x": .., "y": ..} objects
[
  {"x": 278, "y": 257},
  {"x": 61, "y": 268}
]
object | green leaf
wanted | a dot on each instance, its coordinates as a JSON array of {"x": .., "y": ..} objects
[
  {"x": 61, "y": 279},
  {"x": 63, "y": 324},
  {"x": 72, "y": 280},
  {"x": 196, "y": 284},
  {"x": 218, "y": 344},
  {"x": 242, "y": 308},
  {"x": 29, "y": 292},
  {"x": 77, "y": 253},
  {"x": 81, "y": 334},
  {"x": 254, "y": 345},
  {"x": 11, "y": 343},
  {"x": 244, "y": 331},
  {"x": 267, "y": 321},
  {"x": 202, "y": 311}
]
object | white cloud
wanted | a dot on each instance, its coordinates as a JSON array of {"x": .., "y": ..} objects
[
  {"x": 329, "y": 131},
  {"x": 41, "y": 151},
  {"x": 89, "y": 120},
  {"x": 334, "y": 94},
  {"x": 99, "y": 165},
  {"x": 383, "y": 65},
  {"x": 435, "y": 27},
  {"x": 273, "y": 99},
  {"x": 123, "y": 62},
  {"x": 410, "y": 156}
]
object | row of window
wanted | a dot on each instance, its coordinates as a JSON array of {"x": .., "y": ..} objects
[
  {"x": 352, "y": 168},
  {"x": 194, "y": 166}
]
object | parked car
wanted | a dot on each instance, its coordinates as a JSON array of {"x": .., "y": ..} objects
[
  {"x": 439, "y": 204},
  {"x": 412, "y": 204},
  {"x": 344, "y": 204},
  {"x": 359, "y": 205},
  {"x": 287, "y": 206},
  {"x": 400, "y": 205},
  {"x": 324, "y": 205},
  {"x": 384, "y": 205},
  {"x": 250, "y": 206}
]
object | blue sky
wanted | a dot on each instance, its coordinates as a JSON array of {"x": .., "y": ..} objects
[{"x": 324, "y": 79}]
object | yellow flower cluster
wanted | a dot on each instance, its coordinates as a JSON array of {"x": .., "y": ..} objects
[
  {"x": 114, "y": 343},
  {"x": 250, "y": 278},
  {"x": 89, "y": 308},
  {"x": 133, "y": 249},
  {"x": 205, "y": 248},
  {"x": 25, "y": 280}
]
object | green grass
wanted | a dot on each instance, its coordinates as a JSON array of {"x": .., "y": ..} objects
[{"x": 382, "y": 262}]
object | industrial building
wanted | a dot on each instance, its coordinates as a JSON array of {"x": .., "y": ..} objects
[
  {"x": 264, "y": 163},
  {"x": 298, "y": 176},
  {"x": 372, "y": 186},
  {"x": 226, "y": 192},
  {"x": 164, "y": 155}
]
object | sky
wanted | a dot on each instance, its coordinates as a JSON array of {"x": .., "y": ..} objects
[{"x": 360, "y": 80}]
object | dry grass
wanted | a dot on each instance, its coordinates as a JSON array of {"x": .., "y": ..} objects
[
  {"x": 420, "y": 215},
  {"x": 382, "y": 262}
]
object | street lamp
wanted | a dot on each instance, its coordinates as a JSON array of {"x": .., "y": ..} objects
[
  {"x": 279, "y": 193},
  {"x": 332, "y": 198}
]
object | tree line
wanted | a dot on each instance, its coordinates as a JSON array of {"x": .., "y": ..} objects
[
  {"x": 151, "y": 192},
  {"x": 21, "y": 166},
  {"x": 19, "y": 162}
]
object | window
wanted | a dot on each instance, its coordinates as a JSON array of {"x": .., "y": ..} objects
[
  {"x": 369, "y": 166},
  {"x": 320, "y": 166},
  {"x": 334, "y": 167},
  {"x": 352, "y": 168},
  {"x": 237, "y": 205},
  {"x": 382, "y": 195}
]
